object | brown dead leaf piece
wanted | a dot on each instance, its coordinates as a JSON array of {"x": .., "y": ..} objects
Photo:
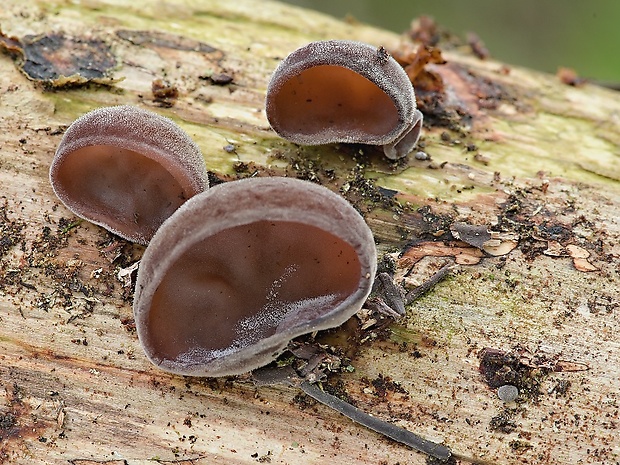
[
  {"x": 569, "y": 366},
  {"x": 449, "y": 93},
  {"x": 523, "y": 369},
  {"x": 580, "y": 258},
  {"x": 578, "y": 254},
  {"x": 492, "y": 242},
  {"x": 555, "y": 249},
  {"x": 463, "y": 254},
  {"x": 501, "y": 243},
  {"x": 58, "y": 60},
  {"x": 471, "y": 234},
  {"x": 415, "y": 62},
  {"x": 570, "y": 77}
]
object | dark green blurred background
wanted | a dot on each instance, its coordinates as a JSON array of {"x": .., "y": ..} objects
[{"x": 539, "y": 34}]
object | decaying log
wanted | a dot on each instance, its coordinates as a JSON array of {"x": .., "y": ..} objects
[{"x": 525, "y": 162}]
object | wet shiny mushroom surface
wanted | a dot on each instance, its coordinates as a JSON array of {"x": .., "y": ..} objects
[
  {"x": 126, "y": 169},
  {"x": 344, "y": 91},
  {"x": 240, "y": 270}
]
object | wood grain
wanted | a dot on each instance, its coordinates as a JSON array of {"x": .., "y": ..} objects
[{"x": 518, "y": 150}]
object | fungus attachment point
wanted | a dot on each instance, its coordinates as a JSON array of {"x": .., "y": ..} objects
[
  {"x": 344, "y": 91},
  {"x": 126, "y": 169},
  {"x": 240, "y": 270}
]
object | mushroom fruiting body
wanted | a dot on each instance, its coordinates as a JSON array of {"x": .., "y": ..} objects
[
  {"x": 126, "y": 169},
  {"x": 344, "y": 91},
  {"x": 240, "y": 270}
]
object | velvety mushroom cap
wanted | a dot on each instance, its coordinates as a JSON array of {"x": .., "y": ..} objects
[
  {"x": 126, "y": 169},
  {"x": 238, "y": 271},
  {"x": 343, "y": 91}
]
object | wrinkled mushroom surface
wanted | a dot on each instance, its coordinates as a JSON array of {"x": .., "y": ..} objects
[
  {"x": 344, "y": 91},
  {"x": 126, "y": 169},
  {"x": 238, "y": 271}
]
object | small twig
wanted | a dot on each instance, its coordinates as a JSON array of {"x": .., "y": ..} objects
[
  {"x": 391, "y": 293},
  {"x": 427, "y": 285},
  {"x": 387, "y": 429},
  {"x": 398, "y": 434}
]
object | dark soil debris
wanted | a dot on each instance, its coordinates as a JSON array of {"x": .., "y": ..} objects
[
  {"x": 7, "y": 421},
  {"x": 436, "y": 461},
  {"x": 69, "y": 284},
  {"x": 561, "y": 387},
  {"x": 361, "y": 191},
  {"x": 365, "y": 195},
  {"x": 426, "y": 224},
  {"x": 219, "y": 79},
  {"x": 519, "y": 446},
  {"x": 488, "y": 94},
  {"x": 164, "y": 93},
  {"x": 129, "y": 324},
  {"x": 304, "y": 401},
  {"x": 499, "y": 368},
  {"x": 10, "y": 231},
  {"x": 504, "y": 422},
  {"x": 338, "y": 388},
  {"x": 552, "y": 231},
  {"x": 384, "y": 386},
  {"x": 539, "y": 232}
]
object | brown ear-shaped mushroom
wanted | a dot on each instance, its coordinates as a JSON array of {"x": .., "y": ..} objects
[
  {"x": 344, "y": 91},
  {"x": 126, "y": 169},
  {"x": 241, "y": 269}
]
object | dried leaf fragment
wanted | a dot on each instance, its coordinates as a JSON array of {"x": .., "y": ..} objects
[
  {"x": 471, "y": 234},
  {"x": 463, "y": 254},
  {"x": 415, "y": 63},
  {"x": 492, "y": 242},
  {"x": 578, "y": 254},
  {"x": 500, "y": 243},
  {"x": 555, "y": 249},
  {"x": 570, "y": 77},
  {"x": 568, "y": 365},
  {"x": 580, "y": 258}
]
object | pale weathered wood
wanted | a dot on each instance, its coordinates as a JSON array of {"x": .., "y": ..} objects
[{"x": 75, "y": 386}]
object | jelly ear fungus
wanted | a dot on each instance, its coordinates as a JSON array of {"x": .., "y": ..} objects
[
  {"x": 240, "y": 270},
  {"x": 344, "y": 91},
  {"x": 126, "y": 169}
]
